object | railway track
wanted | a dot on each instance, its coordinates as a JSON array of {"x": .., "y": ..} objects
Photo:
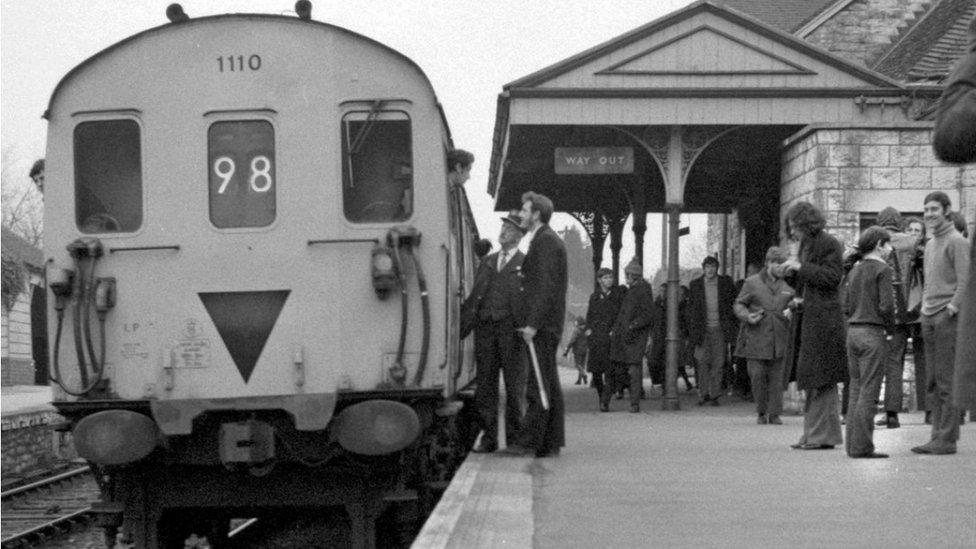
[{"x": 40, "y": 510}]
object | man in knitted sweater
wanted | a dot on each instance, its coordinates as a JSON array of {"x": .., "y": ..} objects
[{"x": 946, "y": 275}]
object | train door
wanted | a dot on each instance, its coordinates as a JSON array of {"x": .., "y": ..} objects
[{"x": 464, "y": 235}]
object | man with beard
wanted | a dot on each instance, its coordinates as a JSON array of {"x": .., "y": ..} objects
[{"x": 543, "y": 300}]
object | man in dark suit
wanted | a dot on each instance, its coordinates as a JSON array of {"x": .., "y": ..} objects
[
  {"x": 492, "y": 304},
  {"x": 600, "y": 316},
  {"x": 633, "y": 324},
  {"x": 543, "y": 311},
  {"x": 711, "y": 327}
]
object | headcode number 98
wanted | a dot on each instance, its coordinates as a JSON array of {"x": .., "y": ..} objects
[{"x": 259, "y": 177}]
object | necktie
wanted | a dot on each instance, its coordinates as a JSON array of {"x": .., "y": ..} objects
[{"x": 502, "y": 260}]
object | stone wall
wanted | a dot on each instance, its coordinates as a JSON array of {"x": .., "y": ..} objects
[
  {"x": 846, "y": 172},
  {"x": 30, "y": 443},
  {"x": 865, "y": 29}
]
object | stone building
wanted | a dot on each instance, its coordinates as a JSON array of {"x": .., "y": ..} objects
[
  {"x": 849, "y": 171},
  {"x": 23, "y": 325}
]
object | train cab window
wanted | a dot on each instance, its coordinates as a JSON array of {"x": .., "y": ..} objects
[
  {"x": 377, "y": 168},
  {"x": 108, "y": 176},
  {"x": 242, "y": 182}
]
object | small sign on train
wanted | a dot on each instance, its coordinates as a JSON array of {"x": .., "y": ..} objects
[{"x": 594, "y": 160}]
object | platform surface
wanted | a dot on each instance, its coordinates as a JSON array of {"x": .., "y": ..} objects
[
  {"x": 708, "y": 477},
  {"x": 25, "y": 399}
]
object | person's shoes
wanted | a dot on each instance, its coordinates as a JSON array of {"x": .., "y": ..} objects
[
  {"x": 892, "y": 422},
  {"x": 714, "y": 402},
  {"x": 634, "y": 409},
  {"x": 775, "y": 420},
  {"x": 962, "y": 417},
  {"x": 761, "y": 419},
  {"x": 604, "y": 407},
  {"x": 585, "y": 381},
  {"x": 577, "y": 382},
  {"x": 484, "y": 448},
  {"x": 812, "y": 446},
  {"x": 928, "y": 417},
  {"x": 515, "y": 450},
  {"x": 882, "y": 422},
  {"x": 934, "y": 450},
  {"x": 703, "y": 400},
  {"x": 553, "y": 453},
  {"x": 872, "y": 455}
]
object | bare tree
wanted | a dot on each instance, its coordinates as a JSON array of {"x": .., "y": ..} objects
[{"x": 22, "y": 203}]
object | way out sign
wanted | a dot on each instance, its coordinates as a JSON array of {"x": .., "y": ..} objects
[{"x": 594, "y": 160}]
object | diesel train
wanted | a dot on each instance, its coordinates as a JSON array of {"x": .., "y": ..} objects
[{"x": 255, "y": 261}]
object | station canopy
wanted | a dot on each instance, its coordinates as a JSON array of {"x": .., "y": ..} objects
[{"x": 730, "y": 87}]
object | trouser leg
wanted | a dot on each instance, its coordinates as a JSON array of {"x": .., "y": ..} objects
[
  {"x": 774, "y": 387},
  {"x": 866, "y": 348},
  {"x": 760, "y": 386},
  {"x": 636, "y": 375},
  {"x": 939, "y": 332},
  {"x": 894, "y": 363},
  {"x": 486, "y": 393}
]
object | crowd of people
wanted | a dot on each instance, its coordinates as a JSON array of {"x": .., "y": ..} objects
[{"x": 812, "y": 313}]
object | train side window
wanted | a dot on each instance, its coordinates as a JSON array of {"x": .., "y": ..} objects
[
  {"x": 108, "y": 176},
  {"x": 377, "y": 167},
  {"x": 242, "y": 182}
]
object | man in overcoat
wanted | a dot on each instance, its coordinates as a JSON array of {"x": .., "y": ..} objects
[
  {"x": 494, "y": 301},
  {"x": 764, "y": 335},
  {"x": 628, "y": 339},
  {"x": 955, "y": 141},
  {"x": 600, "y": 316},
  {"x": 543, "y": 303},
  {"x": 711, "y": 327}
]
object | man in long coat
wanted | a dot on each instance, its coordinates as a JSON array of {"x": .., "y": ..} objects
[
  {"x": 544, "y": 310},
  {"x": 493, "y": 303},
  {"x": 628, "y": 338},
  {"x": 955, "y": 141},
  {"x": 600, "y": 316},
  {"x": 819, "y": 334}
]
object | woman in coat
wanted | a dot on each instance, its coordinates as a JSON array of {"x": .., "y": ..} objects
[{"x": 815, "y": 272}]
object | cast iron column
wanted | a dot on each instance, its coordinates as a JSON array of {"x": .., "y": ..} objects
[{"x": 674, "y": 336}]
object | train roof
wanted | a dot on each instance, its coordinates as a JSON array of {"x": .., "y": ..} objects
[{"x": 211, "y": 18}]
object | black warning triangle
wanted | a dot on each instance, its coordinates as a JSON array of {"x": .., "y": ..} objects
[{"x": 244, "y": 321}]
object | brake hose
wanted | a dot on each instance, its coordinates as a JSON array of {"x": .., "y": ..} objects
[
  {"x": 425, "y": 306},
  {"x": 77, "y": 291},
  {"x": 97, "y": 366},
  {"x": 398, "y": 371}
]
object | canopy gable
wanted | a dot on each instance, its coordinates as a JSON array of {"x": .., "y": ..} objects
[
  {"x": 704, "y": 45},
  {"x": 727, "y": 55}
]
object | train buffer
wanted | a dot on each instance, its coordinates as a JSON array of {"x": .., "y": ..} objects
[{"x": 707, "y": 477}]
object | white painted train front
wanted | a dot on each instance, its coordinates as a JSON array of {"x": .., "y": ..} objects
[{"x": 256, "y": 262}]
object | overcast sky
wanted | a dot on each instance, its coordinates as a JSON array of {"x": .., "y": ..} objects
[{"x": 468, "y": 48}]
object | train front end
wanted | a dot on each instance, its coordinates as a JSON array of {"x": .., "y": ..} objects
[{"x": 254, "y": 262}]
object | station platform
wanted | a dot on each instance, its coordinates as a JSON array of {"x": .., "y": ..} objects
[
  {"x": 707, "y": 477},
  {"x": 25, "y": 399}
]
